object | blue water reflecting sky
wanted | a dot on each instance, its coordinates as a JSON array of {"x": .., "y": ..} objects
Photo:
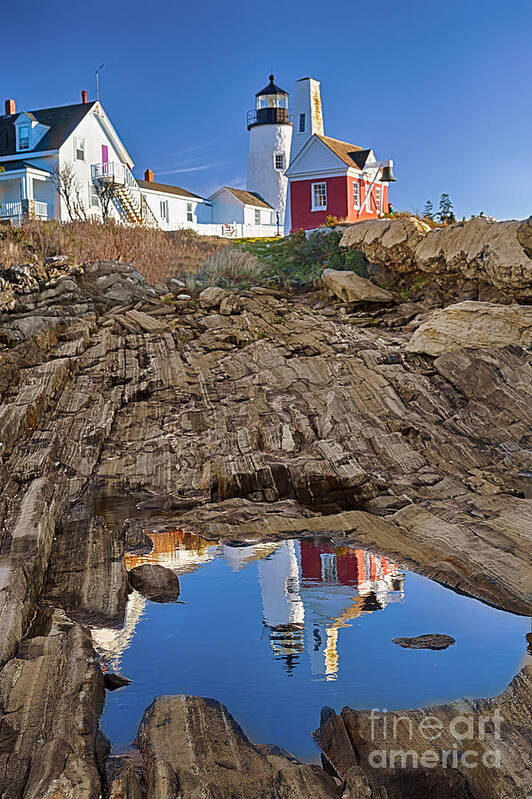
[{"x": 277, "y": 631}]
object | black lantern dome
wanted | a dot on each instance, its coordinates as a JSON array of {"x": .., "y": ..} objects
[{"x": 271, "y": 107}]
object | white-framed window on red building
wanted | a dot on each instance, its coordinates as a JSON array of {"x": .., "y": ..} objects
[
  {"x": 356, "y": 194},
  {"x": 378, "y": 198},
  {"x": 367, "y": 198},
  {"x": 319, "y": 196}
]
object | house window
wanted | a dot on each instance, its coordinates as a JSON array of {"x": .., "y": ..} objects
[
  {"x": 356, "y": 194},
  {"x": 378, "y": 198},
  {"x": 94, "y": 200},
  {"x": 278, "y": 160},
  {"x": 367, "y": 199},
  {"x": 302, "y": 123},
  {"x": 190, "y": 215},
  {"x": 319, "y": 196},
  {"x": 272, "y": 218},
  {"x": 164, "y": 210},
  {"x": 24, "y": 137},
  {"x": 80, "y": 149},
  {"x": 257, "y": 216}
]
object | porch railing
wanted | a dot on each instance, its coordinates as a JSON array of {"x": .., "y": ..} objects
[{"x": 18, "y": 209}]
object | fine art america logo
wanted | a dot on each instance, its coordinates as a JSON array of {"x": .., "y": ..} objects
[{"x": 469, "y": 741}]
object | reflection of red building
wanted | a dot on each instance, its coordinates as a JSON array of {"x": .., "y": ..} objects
[{"x": 324, "y": 562}]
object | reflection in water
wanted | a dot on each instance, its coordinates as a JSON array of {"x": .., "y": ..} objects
[{"x": 310, "y": 589}]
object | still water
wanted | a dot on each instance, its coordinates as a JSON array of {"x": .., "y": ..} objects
[{"x": 277, "y": 630}]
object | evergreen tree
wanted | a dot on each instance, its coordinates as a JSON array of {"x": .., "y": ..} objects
[
  {"x": 446, "y": 213},
  {"x": 428, "y": 211}
]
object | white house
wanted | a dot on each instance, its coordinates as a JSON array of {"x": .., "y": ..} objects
[
  {"x": 246, "y": 210},
  {"x": 36, "y": 146}
]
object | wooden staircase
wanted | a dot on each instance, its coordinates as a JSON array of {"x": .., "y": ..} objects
[{"x": 127, "y": 197}]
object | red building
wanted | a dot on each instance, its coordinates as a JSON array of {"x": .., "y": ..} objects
[{"x": 329, "y": 177}]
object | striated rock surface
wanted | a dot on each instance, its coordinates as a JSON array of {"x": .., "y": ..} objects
[
  {"x": 481, "y": 249},
  {"x": 473, "y": 324},
  {"x": 95, "y": 595},
  {"x": 350, "y": 287},
  {"x": 51, "y": 695},
  {"x": 193, "y": 748},
  {"x": 469, "y": 749},
  {"x": 271, "y": 416}
]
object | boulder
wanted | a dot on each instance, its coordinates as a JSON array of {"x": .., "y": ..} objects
[
  {"x": 51, "y": 695},
  {"x": 473, "y": 325},
  {"x": 211, "y": 297},
  {"x": 230, "y": 305},
  {"x": 114, "y": 681},
  {"x": 480, "y": 249},
  {"x": 350, "y": 287},
  {"x": 390, "y": 243},
  {"x": 468, "y": 749},
  {"x": 192, "y": 748},
  {"x": 155, "y": 582},
  {"x": 429, "y": 641}
]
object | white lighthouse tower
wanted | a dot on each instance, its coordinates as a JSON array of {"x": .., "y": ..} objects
[{"x": 270, "y": 137}]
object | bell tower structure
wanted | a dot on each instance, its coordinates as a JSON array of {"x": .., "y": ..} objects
[
  {"x": 308, "y": 113},
  {"x": 270, "y": 138}
]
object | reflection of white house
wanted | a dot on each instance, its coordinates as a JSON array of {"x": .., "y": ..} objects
[
  {"x": 240, "y": 556},
  {"x": 110, "y": 643},
  {"x": 33, "y": 144}
]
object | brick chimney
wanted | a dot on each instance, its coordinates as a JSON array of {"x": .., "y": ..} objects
[
  {"x": 148, "y": 176},
  {"x": 10, "y": 107},
  {"x": 83, "y": 96}
]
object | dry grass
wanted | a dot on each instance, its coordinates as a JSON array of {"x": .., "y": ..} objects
[
  {"x": 232, "y": 266},
  {"x": 155, "y": 254}
]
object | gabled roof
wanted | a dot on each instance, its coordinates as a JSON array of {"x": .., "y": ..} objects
[
  {"x": 165, "y": 188},
  {"x": 247, "y": 197},
  {"x": 350, "y": 154},
  {"x": 62, "y": 121}
]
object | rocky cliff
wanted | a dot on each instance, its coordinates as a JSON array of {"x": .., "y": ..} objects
[{"x": 481, "y": 254}]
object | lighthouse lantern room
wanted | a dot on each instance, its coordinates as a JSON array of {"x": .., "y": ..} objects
[{"x": 270, "y": 137}]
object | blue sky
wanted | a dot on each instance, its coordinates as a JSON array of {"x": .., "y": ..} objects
[{"x": 442, "y": 88}]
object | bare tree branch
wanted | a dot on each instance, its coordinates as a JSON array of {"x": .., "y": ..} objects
[{"x": 67, "y": 184}]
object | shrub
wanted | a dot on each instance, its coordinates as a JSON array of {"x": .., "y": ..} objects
[{"x": 298, "y": 261}]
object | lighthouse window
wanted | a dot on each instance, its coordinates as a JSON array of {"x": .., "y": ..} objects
[
  {"x": 279, "y": 160},
  {"x": 302, "y": 123},
  {"x": 319, "y": 196},
  {"x": 257, "y": 216}
]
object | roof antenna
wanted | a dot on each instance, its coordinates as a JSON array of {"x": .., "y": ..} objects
[{"x": 98, "y": 71}]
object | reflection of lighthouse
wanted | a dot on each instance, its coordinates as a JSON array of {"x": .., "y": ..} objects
[{"x": 283, "y": 610}]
